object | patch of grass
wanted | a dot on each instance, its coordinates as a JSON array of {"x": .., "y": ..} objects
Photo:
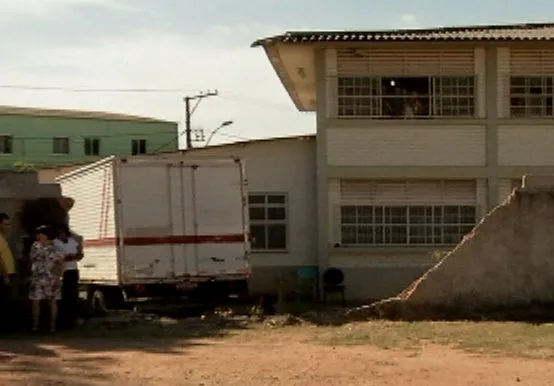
[{"x": 509, "y": 339}]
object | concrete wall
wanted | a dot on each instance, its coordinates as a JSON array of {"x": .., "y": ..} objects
[{"x": 33, "y": 138}]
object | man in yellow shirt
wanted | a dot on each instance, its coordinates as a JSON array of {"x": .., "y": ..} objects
[
  {"x": 7, "y": 264},
  {"x": 7, "y": 272}
]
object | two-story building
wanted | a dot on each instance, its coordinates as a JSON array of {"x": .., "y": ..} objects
[
  {"x": 45, "y": 137},
  {"x": 419, "y": 134}
]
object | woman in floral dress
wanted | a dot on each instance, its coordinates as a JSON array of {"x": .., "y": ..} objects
[{"x": 46, "y": 272}]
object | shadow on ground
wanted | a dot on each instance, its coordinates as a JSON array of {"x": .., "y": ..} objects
[{"x": 37, "y": 359}]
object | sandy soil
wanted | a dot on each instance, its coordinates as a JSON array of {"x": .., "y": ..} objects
[{"x": 268, "y": 358}]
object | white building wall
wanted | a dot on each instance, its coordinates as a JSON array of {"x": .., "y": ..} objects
[
  {"x": 420, "y": 145},
  {"x": 526, "y": 145}
]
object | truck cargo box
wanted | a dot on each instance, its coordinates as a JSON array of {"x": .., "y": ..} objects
[{"x": 160, "y": 220}]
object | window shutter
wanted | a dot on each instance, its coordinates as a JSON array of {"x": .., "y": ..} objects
[
  {"x": 437, "y": 192},
  {"x": 359, "y": 62},
  {"x": 531, "y": 62}
]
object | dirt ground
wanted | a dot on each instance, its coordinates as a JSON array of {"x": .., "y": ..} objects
[{"x": 278, "y": 356}]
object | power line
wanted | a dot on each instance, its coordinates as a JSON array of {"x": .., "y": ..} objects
[
  {"x": 233, "y": 136},
  {"x": 259, "y": 101},
  {"x": 227, "y": 96},
  {"x": 92, "y": 90}
]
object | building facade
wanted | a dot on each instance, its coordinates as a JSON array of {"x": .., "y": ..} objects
[
  {"x": 32, "y": 138},
  {"x": 282, "y": 190},
  {"x": 419, "y": 134}
]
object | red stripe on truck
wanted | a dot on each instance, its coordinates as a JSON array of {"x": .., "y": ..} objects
[{"x": 175, "y": 239}]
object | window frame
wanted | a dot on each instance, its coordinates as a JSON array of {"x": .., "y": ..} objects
[
  {"x": 546, "y": 96},
  {"x": 55, "y": 144},
  {"x": 4, "y": 137},
  {"x": 369, "y": 89},
  {"x": 138, "y": 141},
  {"x": 391, "y": 222},
  {"x": 91, "y": 141},
  {"x": 266, "y": 222},
  {"x": 456, "y": 82}
]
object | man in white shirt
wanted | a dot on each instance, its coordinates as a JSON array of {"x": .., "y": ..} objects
[{"x": 70, "y": 248}]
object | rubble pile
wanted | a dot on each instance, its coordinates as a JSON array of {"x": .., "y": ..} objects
[{"x": 505, "y": 264}]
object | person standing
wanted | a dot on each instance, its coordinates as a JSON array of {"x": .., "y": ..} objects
[
  {"x": 69, "y": 247},
  {"x": 7, "y": 263},
  {"x": 7, "y": 271},
  {"x": 46, "y": 271}
]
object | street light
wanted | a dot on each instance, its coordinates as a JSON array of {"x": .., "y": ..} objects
[{"x": 223, "y": 124}]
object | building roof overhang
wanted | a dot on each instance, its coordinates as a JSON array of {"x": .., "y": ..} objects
[{"x": 293, "y": 57}]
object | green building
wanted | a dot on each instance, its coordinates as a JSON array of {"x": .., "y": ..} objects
[{"x": 35, "y": 137}]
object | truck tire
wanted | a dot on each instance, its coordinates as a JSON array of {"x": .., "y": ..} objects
[
  {"x": 97, "y": 301},
  {"x": 105, "y": 298}
]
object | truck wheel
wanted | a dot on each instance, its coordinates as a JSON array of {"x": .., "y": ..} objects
[{"x": 98, "y": 302}]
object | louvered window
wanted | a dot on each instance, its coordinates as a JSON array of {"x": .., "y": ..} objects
[
  {"x": 531, "y": 83},
  {"x": 406, "y": 212},
  {"x": 406, "y": 97},
  {"x": 412, "y": 84},
  {"x": 531, "y": 96}
]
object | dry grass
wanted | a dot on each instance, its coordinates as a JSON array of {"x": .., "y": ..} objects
[
  {"x": 520, "y": 340},
  {"x": 506, "y": 339},
  {"x": 524, "y": 340}
]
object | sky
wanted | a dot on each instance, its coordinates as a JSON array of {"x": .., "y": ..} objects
[{"x": 182, "y": 47}]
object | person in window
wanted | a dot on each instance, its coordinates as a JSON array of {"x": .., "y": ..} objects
[
  {"x": 418, "y": 104},
  {"x": 47, "y": 266},
  {"x": 69, "y": 247},
  {"x": 409, "y": 110}
]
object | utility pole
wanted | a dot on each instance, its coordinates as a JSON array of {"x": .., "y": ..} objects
[{"x": 188, "y": 112}]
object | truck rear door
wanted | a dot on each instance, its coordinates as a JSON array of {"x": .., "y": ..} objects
[
  {"x": 220, "y": 219},
  {"x": 146, "y": 209},
  {"x": 178, "y": 220}
]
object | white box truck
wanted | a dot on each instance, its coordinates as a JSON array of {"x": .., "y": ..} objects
[{"x": 158, "y": 227}]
